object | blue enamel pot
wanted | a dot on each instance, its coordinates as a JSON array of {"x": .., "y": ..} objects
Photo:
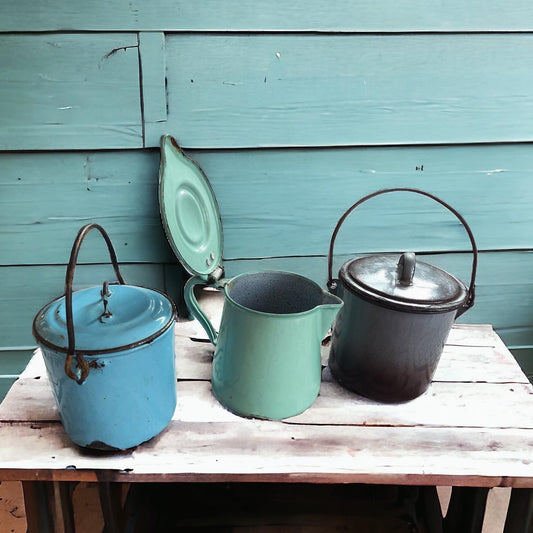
[{"x": 109, "y": 355}]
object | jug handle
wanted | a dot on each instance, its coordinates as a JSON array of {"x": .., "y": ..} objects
[
  {"x": 69, "y": 278},
  {"x": 332, "y": 284},
  {"x": 194, "y": 307}
]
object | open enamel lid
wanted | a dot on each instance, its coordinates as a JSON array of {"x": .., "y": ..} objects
[{"x": 189, "y": 210}]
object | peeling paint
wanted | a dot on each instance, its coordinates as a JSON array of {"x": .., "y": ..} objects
[{"x": 115, "y": 50}]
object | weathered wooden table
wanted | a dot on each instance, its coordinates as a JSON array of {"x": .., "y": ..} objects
[{"x": 473, "y": 429}]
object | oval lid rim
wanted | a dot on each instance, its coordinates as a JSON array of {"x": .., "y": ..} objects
[
  {"x": 169, "y": 147},
  {"x": 354, "y": 284},
  {"x": 54, "y": 305}
]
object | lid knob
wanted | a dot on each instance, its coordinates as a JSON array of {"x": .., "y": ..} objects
[{"x": 406, "y": 268}]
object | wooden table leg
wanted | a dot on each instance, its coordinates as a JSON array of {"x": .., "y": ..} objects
[
  {"x": 49, "y": 506},
  {"x": 38, "y": 518},
  {"x": 64, "y": 509},
  {"x": 520, "y": 513},
  {"x": 112, "y": 509},
  {"x": 429, "y": 510},
  {"x": 466, "y": 510}
]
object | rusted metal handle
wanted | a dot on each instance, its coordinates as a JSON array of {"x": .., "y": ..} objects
[
  {"x": 471, "y": 290},
  {"x": 71, "y": 353}
]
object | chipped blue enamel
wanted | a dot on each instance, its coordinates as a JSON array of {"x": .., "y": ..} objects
[{"x": 128, "y": 397}]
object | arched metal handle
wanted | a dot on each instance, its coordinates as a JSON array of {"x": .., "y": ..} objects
[
  {"x": 471, "y": 290},
  {"x": 80, "y": 360}
]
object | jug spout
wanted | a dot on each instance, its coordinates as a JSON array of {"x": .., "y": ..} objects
[{"x": 327, "y": 311}]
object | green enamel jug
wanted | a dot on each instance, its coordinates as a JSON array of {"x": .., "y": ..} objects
[{"x": 267, "y": 353}]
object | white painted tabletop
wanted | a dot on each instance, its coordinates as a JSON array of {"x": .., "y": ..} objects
[{"x": 473, "y": 427}]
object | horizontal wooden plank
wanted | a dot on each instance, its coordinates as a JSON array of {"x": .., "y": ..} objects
[
  {"x": 37, "y": 393},
  {"x": 48, "y": 197},
  {"x": 337, "y": 90},
  {"x": 272, "y": 202},
  {"x": 26, "y": 289},
  {"x": 74, "y": 91},
  {"x": 344, "y": 450},
  {"x": 481, "y": 405},
  {"x": 461, "y": 364},
  {"x": 276, "y": 15},
  {"x": 287, "y": 202},
  {"x": 288, "y": 453}
]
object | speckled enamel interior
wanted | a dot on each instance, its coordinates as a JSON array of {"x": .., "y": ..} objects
[{"x": 277, "y": 293}]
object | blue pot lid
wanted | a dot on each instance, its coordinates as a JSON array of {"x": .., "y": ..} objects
[
  {"x": 189, "y": 210},
  {"x": 135, "y": 314}
]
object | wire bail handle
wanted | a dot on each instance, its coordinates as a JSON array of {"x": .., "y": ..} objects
[
  {"x": 80, "y": 360},
  {"x": 332, "y": 284}
]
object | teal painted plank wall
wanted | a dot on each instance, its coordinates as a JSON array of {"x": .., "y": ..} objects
[
  {"x": 84, "y": 91},
  {"x": 287, "y": 202},
  {"x": 273, "y": 202},
  {"x": 69, "y": 90},
  {"x": 274, "y": 15},
  {"x": 324, "y": 90},
  {"x": 47, "y": 196},
  {"x": 294, "y": 112}
]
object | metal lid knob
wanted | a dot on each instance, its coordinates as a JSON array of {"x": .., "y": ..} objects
[{"x": 406, "y": 268}]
